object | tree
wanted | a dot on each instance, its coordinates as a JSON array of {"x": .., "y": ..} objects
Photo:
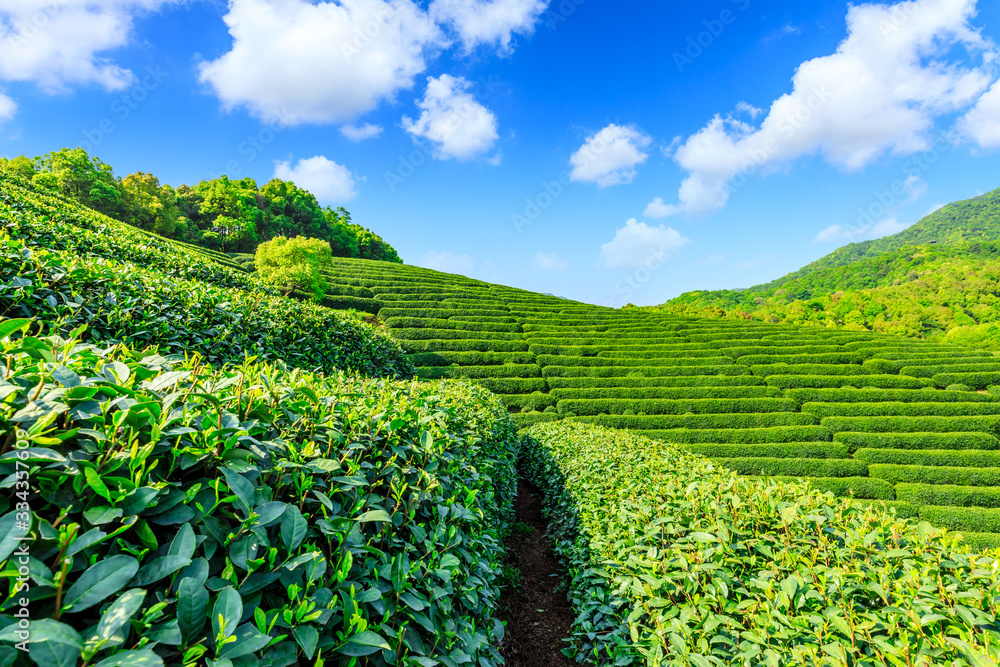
[
  {"x": 296, "y": 263},
  {"x": 72, "y": 172},
  {"x": 19, "y": 166}
]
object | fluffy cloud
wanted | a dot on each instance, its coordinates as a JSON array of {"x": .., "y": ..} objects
[
  {"x": 610, "y": 156},
  {"x": 452, "y": 119},
  {"x": 879, "y": 93},
  {"x": 982, "y": 123},
  {"x": 8, "y": 108},
  {"x": 294, "y": 61},
  {"x": 658, "y": 209},
  {"x": 842, "y": 234},
  {"x": 57, "y": 44},
  {"x": 330, "y": 182},
  {"x": 357, "y": 134},
  {"x": 489, "y": 21},
  {"x": 448, "y": 262},
  {"x": 549, "y": 262},
  {"x": 637, "y": 244}
]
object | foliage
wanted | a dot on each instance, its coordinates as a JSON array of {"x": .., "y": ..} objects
[
  {"x": 677, "y": 562},
  {"x": 295, "y": 263},
  {"x": 246, "y": 515}
]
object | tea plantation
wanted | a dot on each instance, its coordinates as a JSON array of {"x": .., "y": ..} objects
[{"x": 206, "y": 472}]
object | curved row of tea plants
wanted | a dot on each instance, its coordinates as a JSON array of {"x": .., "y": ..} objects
[
  {"x": 675, "y": 561},
  {"x": 180, "y": 514}
]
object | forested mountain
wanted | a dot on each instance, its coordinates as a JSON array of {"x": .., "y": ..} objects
[
  {"x": 939, "y": 278},
  {"x": 219, "y": 214}
]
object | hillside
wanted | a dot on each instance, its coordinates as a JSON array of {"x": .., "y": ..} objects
[
  {"x": 205, "y": 470},
  {"x": 938, "y": 279}
]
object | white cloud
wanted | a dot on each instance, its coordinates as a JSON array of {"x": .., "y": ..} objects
[
  {"x": 657, "y": 209},
  {"x": 982, "y": 123},
  {"x": 8, "y": 108},
  {"x": 56, "y": 44},
  {"x": 549, "y": 262},
  {"x": 497, "y": 159},
  {"x": 749, "y": 109},
  {"x": 842, "y": 234},
  {"x": 451, "y": 118},
  {"x": 294, "y": 61},
  {"x": 330, "y": 182},
  {"x": 488, "y": 21},
  {"x": 880, "y": 93},
  {"x": 610, "y": 156},
  {"x": 358, "y": 134},
  {"x": 448, "y": 262},
  {"x": 637, "y": 244}
]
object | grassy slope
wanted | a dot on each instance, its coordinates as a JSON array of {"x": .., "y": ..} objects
[{"x": 900, "y": 284}]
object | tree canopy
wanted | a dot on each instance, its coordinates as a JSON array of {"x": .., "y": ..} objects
[
  {"x": 295, "y": 263},
  {"x": 223, "y": 214}
]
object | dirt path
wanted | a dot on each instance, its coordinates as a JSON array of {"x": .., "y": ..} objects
[{"x": 538, "y": 618}]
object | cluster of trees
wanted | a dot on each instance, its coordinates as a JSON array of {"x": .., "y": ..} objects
[
  {"x": 221, "y": 214},
  {"x": 949, "y": 292}
]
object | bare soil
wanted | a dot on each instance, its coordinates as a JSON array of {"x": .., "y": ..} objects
[{"x": 538, "y": 616}]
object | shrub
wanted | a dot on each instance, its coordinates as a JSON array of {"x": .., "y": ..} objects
[
  {"x": 977, "y": 380},
  {"x": 503, "y": 385},
  {"x": 446, "y": 358},
  {"x": 694, "y": 382},
  {"x": 837, "y": 381},
  {"x": 917, "y": 440},
  {"x": 948, "y": 494},
  {"x": 657, "y": 425},
  {"x": 795, "y": 467},
  {"x": 465, "y": 345},
  {"x": 974, "y": 519},
  {"x": 890, "y": 408},
  {"x": 445, "y": 334},
  {"x": 124, "y": 302},
  {"x": 695, "y": 365},
  {"x": 744, "y": 435},
  {"x": 678, "y": 406},
  {"x": 768, "y": 370},
  {"x": 788, "y": 450},
  {"x": 958, "y": 387},
  {"x": 654, "y": 539},
  {"x": 989, "y": 424},
  {"x": 826, "y": 358},
  {"x": 854, "y": 395},
  {"x": 528, "y": 402},
  {"x": 444, "y": 324},
  {"x": 848, "y": 487},
  {"x": 639, "y": 393},
  {"x": 895, "y": 474},
  {"x": 966, "y": 458},
  {"x": 932, "y": 369},
  {"x": 294, "y": 264},
  {"x": 526, "y": 419},
  {"x": 237, "y": 514},
  {"x": 477, "y": 372},
  {"x": 644, "y": 371},
  {"x": 900, "y": 509}
]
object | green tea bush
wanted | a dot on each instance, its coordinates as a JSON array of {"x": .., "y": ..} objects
[
  {"x": 975, "y": 519},
  {"x": 646, "y": 371},
  {"x": 640, "y": 393},
  {"x": 697, "y": 364},
  {"x": 966, "y": 458},
  {"x": 676, "y": 407},
  {"x": 900, "y": 509},
  {"x": 533, "y": 402},
  {"x": 438, "y": 324},
  {"x": 855, "y": 395},
  {"x": 446, "y": 358},
  {"x": 476, "y": 372},
  {"x": 890, "y": 408},
  {"x": 864, "y": 488},
  {"x": 748, "y": 436},
  {"x": 795, "y": 467},
  {"x": 990, "y": 424},
  {"x": 674, "y": 561},
  {"x": 977, "y": 380},
  {"x": 837, "y": 381},
  {"x": 513, "y": 385},
  {"x": 658, "y": 425},
  {"x": 526, "y": 419},
  {"x": 124, "y": 302},
  {"x": 894, "y": 474},
  {"x": 449, "y": 334},
  {"x": 768, "y": 370},
  {"x": 246, "y": 515},
  {"x": 694, "y": 382},
  {"x": 958, "y": 387},
  {"x": 929, "y": 370},
  {"x": 826, "y": 358},
  {"x": 787, "y": 450},
  {"x": 465, "y": 345},
  {"x": 952, "y": 441},
  {"x": 948, "y": 494},
  {"x": 736, "y": 350}
]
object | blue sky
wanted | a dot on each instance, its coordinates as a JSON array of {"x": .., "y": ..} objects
[{"x": 607, "y": 152}]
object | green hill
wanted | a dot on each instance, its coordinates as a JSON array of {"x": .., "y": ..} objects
[
  {"x": 939, "y": 278},
  {"x": 209, "y": 472}
]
